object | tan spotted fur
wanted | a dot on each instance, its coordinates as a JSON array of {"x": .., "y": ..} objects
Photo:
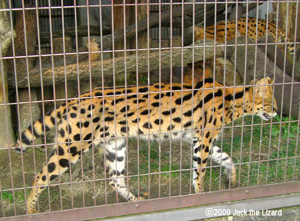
[
  {"x": 105, "y": 117},
  {"x": 252, "y": 27}
]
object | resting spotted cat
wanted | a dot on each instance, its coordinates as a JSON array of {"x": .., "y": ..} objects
[
  {"x": 105, "y": 117},
  {"x": 255, "y": 29}
]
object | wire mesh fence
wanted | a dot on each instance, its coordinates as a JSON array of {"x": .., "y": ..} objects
[{"x": 199, "y": 100}]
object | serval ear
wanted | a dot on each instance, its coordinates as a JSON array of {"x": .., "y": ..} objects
[
  {"x": 263, "y": 87},
  {"x": 271, "y": 79},
  {"x": 252, "y": 83}
]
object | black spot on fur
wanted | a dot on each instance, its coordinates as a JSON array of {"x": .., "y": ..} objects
[
  {"x": 88, "y": 136},
  {"x": 199, "y": 148},
  {"x": 155, "y": 104},
  {"x": 123, "y": 122},
  {"x": 187, "y": 97},
  {"x": 104, "y": 128},
  {"x": 91, "y": 106},
  {"x": 170, "y": 127},
  {"x": 207, "y": 134},
  {"x": 132, "y": 96},
  {"x": 52, "y": 120},
  {"x": 169, "y": 94},
  {"x": 61, "y": 151},
  {"x": 68, "y": 142},
  {"x": 96, "y": 119},
  {"x": 220, "y": 106},
  {"x": 117, "y": 101},
  {"x": 109, "y": 119},
  {"x": 44, "y": 178},
  {"x": 225, "y": 158},
  {"x": 205, "y": 119},
  {"x": 58, "y": 114},
  {"x": 136, "y": 120},
  {"x": 62, "y": 133},
  {"x": 187, "y": 87},
  {"x": 73, "y": 151},
  {"x": 125, "y": 108},
  {"x": 82, "y": 110},
  {"x": 210, "y": 119},
  {"x": 157, "y": 86},
  {"x": 104, "y": 134},
  {"x": 127, "y": 91},
  {"x": 98, "y": 94},
  {"x": 187, "y": 124},
  {"x": 52, "y": 177},
  {"x": 206, "y": 149},
  {"x": 141, "y": 132},
  {"x": 177, "y": 119},
  {"x": 86, "y": 124},
  {"x": 237, "y": 95},
  {"x": 169, "y": 112},
  {"x": 200, "y": 84},
  {"x": 33, "y": 131},
  {"x": 124, "y": 129},
  {"x": 112, "y": 157},
  {"x": 158, "y": 121},
  {"x": 197, "y": 159},
  {"x": 157, "y": 96},
  {"x": 139, "y": 101},
  {"x": 176, "y": 88},
  {"x": 129, "y": 114},
  {"x": 147, "y": 125},
  {"x": 143, "y": 89},
  {"x": 145, "y": 112},
  {"x": 69, "y": 129},
  {"x": 51, "y": 167},
  {"x": 64, "y": 163},
  {"x": 188, "y": 113},
  {"x": 178, "y": 101},
  {"x": 77, "y": 137},
  {"x": 73, "y": 115}
]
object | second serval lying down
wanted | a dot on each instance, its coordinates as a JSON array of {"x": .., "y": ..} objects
[{"x": 105, "y": 117}]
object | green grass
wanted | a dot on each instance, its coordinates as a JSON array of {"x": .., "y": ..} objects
[
  {"x": 7, "y": 196},
  {"x": 142, "y": 80},
  {"x": 271, "y": 155},
  {"x": 159, "y": 162}
]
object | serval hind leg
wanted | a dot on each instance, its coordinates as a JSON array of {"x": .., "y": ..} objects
[
  {"x": 224, "y": 160},
  {"x": 115, "y": 158}
]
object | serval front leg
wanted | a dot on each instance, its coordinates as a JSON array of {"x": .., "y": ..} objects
[{"x": 202, "y": 144}]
